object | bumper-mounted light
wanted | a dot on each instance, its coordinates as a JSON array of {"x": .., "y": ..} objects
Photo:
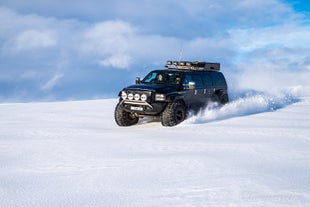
[
  {"x": 130, "y": 96},
  {"x": 137, "y": 97},
  {"x": 143, "y": 97},
  {"x": 124, "y": 95}
]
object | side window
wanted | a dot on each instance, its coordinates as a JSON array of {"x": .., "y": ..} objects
[
  {"x": 188, "y": 78},
  {"x": 194, "y": 78},
  {"x": 207, "y": 80},
  {"x": 198, "y": 81},
  {"x": 218, "y": 79}
]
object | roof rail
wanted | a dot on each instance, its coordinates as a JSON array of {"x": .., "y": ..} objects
[{"x": 196, "y": 65}]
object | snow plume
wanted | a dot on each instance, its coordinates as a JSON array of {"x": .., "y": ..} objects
[{"x": 251, "y": 102}]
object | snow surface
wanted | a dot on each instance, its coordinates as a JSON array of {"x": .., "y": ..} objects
[{"x": 253, "y": 151}]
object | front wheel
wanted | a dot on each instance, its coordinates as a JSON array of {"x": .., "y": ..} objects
[
  {"x": 173, "y": 114},
  {"x": 124, "y": 118}
]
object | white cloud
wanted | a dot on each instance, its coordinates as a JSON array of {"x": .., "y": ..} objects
[
  {"x": 271, "y": 58},
  {"x": 110, "y": 41},
  {"x": 293, "y": 35},
  {"x": 51, "y": 83},
  {"x": 108, "y": 37},
  {"x": 283, "y": 47},
  {"x": 117, "y": 61},
  {"x": 34, "y": 39}
]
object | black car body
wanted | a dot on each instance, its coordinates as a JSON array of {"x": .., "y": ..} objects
[{"x": 171, "y": 93}]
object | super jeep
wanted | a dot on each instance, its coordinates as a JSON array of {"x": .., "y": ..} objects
[{"x": 170, "y": 93}]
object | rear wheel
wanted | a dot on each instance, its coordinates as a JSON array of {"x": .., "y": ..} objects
[
  {"x": 220, "y": 99},
  {"x": 173, "y": 114},
  {"x": 224, "y": 99},
  {"x": 124, "y": 118}
]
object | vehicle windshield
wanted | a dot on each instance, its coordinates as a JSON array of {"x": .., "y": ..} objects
[{"x": 163, "y": 77}]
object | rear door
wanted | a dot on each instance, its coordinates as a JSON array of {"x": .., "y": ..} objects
[
  {"x": 208, "y": 88},
  {"x": 220, "y": 86},
  {"x": 194, "y": 97}
]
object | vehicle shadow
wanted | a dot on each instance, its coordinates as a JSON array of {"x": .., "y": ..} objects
[{"x": 149, "y": 120}]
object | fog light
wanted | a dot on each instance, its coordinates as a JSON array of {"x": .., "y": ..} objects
[
  {"x": 124, "y": 95},
  {"x": 137, "y": 97},
  {"x": 130, "y": 96},
  {"x": 143, "y": 97}
]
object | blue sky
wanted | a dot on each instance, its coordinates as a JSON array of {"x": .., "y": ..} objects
[
  {"x": 69, "y": 50},
  {"x": 300, "y": 5}
]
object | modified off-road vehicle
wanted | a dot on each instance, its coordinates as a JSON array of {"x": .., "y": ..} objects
[{"x": 170, "y": 93}]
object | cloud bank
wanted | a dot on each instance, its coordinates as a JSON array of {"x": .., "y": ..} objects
[{"x": 47, "y": 53}]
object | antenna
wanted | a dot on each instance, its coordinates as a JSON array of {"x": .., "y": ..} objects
[{"x": 181, "y": 51}]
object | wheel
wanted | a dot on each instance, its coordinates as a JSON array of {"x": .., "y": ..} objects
[
  {"x": 220, "y": 99},
  {"x": 123, "y": 118},
  {"x": 224, "y": 99},
  {"x": 173, "y": 114}
]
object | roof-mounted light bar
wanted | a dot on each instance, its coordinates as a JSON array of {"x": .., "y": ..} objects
[{"x": 187, "y": 65}]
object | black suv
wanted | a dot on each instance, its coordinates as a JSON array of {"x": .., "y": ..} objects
[{"x": 171, "y": 93}]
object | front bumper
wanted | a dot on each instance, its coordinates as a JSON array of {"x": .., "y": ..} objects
[{"x": 143, "y": 107}]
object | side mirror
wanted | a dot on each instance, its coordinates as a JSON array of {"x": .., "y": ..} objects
[
  {"x": 190, "y": 85},
  {"x": 138, "y": 80}
]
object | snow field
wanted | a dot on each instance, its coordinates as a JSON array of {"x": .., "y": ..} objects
[{"x": 252, "y": 152}]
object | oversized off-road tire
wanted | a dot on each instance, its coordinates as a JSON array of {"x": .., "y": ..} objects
[
  {"x": 220, "y": 99},
  {"x": 124, "y": 118},
  {"x": 173, "y": 114},
  {"x": 224, "y": 99}
]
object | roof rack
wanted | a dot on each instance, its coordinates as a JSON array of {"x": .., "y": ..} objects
[{"x": 197, "y": 66}]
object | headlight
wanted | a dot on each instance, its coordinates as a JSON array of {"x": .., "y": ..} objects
[
  {"x": 137, "y": 97},
  {"x": 160, "y": 97},
  {"x": 143, "y": 97},
  {"x": 130, "y": 96},
  {"x": 124, "y": 95}
]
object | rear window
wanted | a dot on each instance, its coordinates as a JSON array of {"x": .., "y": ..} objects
[
  {"x": 207, "y": 80},
  {"x": 218, "y": 79}
]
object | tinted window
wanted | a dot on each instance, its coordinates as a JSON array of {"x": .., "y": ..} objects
[
  {"x": 218, "y": 79},
  {"x": 198, "y": 81},
  {"x": 188, "y": 78},
  {"x": 194, "y": 78},
  {"x": 162, "y": 77},
  {"x": 207, "y": 80}
]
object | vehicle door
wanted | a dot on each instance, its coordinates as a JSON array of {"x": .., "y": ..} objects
[
  {"x": 194, "y": 97},
  {"x": 220, "y": 87},
  {"x": 208, "y": 88}
]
